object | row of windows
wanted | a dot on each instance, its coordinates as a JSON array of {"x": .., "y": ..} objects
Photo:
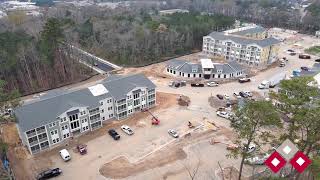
[
  {"x": 52, "y": 124},
  {"x": 73, "y": 117},
  {"x": 109, "y": 108},
  {"x": 136, "y": 102},
  {"x": 82, "y": 113},
  {"x": 85, "y": 128},
  {"x": 63, "y": 119},
  {"x": 95, "y": 116},
  {"x": 110, "y": 115},
  {"x": 64, "y": 127},
  {"x": 54, "y": 132},
  {"x": 109, "y": 100},
  {"x": 135, "y": 96},
  {"x": 66, "y": 136},
  {"x": 93, "y": 110},
  {"x": 55, "y": 140}
]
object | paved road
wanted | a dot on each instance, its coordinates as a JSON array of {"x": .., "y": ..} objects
[{"x": 103, "y": 66}]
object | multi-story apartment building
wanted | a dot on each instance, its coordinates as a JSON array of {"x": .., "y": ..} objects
[
  {"x": 248, "y": 45},
  {"x": 56, "y": 116}
]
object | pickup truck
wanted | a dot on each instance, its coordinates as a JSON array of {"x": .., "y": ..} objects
[{"x": 244, "y": 80}]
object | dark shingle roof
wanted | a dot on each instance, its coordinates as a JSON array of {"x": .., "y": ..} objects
[
  {"x": 245, "y": 41},
  {"x": 45, "y": 110}
]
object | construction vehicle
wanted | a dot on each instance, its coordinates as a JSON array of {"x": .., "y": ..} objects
[
  {"x": 154, "y": 119},
  {"x": 190, "y": 125},
  {"x": 82, "y": 149}
]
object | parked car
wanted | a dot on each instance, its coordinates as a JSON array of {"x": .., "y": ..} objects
[
  {"x": 113, "y": 133},
  {"x": 237, "y": 95},
  {"x": 292, "y": 54},
  {"x": 303, "y": 68},
  {"x": 317, "y": 60},
  {"x": 82, "y": 149},
  {"x": 282, "y": 64},
  {"x": 257, "y": 160},
  {"x": 212, "y": 84},
  {"x": 173, "y": 133},
  {"x": 248, "y": 93},
  {"x": 197, "y": 85},
  {"x": 304, "y": 56},
  {"x": 223, "y": 114},
  {"x": 242, "y": 94},
  {"x": 226, "y": 96},
  {"x": 127, "y": 129},
  {"x": 221, "y": 109},
  {"x": 49, "y": 174},
  {"x": 65, "y": 155},
  {"x": 219, "y": 96},
  {"x": 251, "y": 148},
  {"x": 244, "y": 80}
]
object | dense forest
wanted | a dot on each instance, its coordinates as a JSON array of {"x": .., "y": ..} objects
[
  {"x": 31, "y": 65},
  {"x": 33, "y": 57},
  {"x": 134, "y": 39}
]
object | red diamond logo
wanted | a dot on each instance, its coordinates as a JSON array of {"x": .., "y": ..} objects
[
  {"x": 300, "y": 161},
  {"x": 275, "y": 162}
]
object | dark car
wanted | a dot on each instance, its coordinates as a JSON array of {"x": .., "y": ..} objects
[
  {"x": 219, "y": 96},
  {"x": 113, "y": 133},
  {"x": 49, "y": 174},
  {"x": 292, "y": 54},
  {"x": 304, "y": 56},
  {"x": 244, "y": 80},
  {"x": 303, "y": 68},
  {"x": 317, "y": 60},
  {"x": 242, "y": 94},
  {"x": 197, "y": 85}
]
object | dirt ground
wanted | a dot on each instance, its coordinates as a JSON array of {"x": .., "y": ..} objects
[
  {"x": 22, "y": 162},
  {"x": 122, "y": 168}
]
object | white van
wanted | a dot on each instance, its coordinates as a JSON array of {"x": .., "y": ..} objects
[{"x": 65, "y": 155}]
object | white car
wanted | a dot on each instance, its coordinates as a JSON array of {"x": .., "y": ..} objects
[
  {"x": 223, "y": 114},
  {"x": 212, "y": 84},
  {"x": 248, "y": 93},
  {"x": 226, "y": 96},
  {"x": 237, "y": 95},
  {"x": 173, "y": 133},
  {"x": 65, "y": 155},
  {"x": 251, "y": 148},
  {"x": 126, "y": 129}
]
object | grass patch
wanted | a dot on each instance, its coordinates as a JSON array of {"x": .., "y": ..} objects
[{"x": 315, "y": 50}]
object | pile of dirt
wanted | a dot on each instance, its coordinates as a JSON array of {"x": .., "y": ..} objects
[
  {"x": 122, "y": 168},
  {"x": 183, "y": 100}
]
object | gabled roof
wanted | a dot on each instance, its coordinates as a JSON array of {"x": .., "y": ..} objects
[
  {"x": 119, "y": 88},
  {"x": 46, "y": 109},
  {"x": 184, "y": 66},
  {"x": 242, "y": 40}
]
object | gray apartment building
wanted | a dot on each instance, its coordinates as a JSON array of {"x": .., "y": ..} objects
[{"x": 55, "y": 117}]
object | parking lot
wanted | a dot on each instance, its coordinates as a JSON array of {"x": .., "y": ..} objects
[{"x": 150, "y": 144}]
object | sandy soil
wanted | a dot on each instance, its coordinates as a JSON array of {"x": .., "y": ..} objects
[{"x": 122, "y": 168}]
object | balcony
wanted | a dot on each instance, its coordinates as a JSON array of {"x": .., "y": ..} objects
[{"x": 33, "y": 143}]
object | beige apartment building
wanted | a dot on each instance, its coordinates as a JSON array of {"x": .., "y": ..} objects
[{"x": 247, "y": 45}]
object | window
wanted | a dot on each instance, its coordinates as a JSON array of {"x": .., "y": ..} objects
[
  {"x": 87, "y": 127},
  {"x": 54, "y": 141},
  {"x": 82, "y": 121},
  {"x": 64, "y": 136},
  {"x": 62, "y": 128},
  {"x": 102, "y": 118},
  {"x": 67, "y": 134},
  {"x": 102, "y": 111},
  {"x": 57, "y": 140},
  {"x": 101, "y": 103}
]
